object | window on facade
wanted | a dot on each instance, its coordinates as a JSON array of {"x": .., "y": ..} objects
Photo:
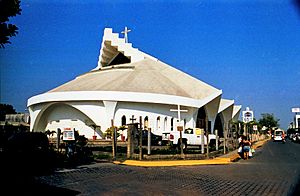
[
  {"x": 146, "y": 122},
  {"x": 158, "y": 122},
  {"x": 123, "y": 123},
  {"x": 172, "y": 124},
  {"x": 165, "y": 123},
  {"x": 184, "y": 123}
]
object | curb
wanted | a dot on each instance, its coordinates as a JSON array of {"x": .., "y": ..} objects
[
  {"x": 216, "y": 161},
  {"x": 235, "y": 157},
  {"x": 170, "y": 163}
]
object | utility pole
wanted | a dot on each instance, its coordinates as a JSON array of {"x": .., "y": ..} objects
[
  {"x": 149, "y": 141},
  {"x": 217, "y": 140},
  {"x": 202, "y": 141},
  {"x": 114, "y": 140},
  {"x": 130, "y": 131},
  {"x": 207, "y": 143},
  {"x": 141, "y": 140},
  {"x": 180, "y": 129},
  {"x": 226, "y": 139},
  {"x": 58, "y": 139}
]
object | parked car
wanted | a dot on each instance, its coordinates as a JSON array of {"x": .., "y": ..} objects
[
  {"x": 190, "y": 137},
  {"x": 156, "y": 140}
]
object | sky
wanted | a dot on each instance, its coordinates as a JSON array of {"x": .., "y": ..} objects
[{"x": 248, "y": 49}]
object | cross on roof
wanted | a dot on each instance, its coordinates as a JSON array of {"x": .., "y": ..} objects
[
  {"x": 132, "y": 119},
  {"x": 125, "y": 32}
]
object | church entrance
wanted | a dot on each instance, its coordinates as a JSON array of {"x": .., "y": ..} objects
[
  {"x": 219, "y": 125},
  {"x": 201, "y": 119}
]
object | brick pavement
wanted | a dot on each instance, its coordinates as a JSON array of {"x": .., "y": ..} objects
[
  {"x": 164, "y": 181},
  {"x": 273, "y": 171}
]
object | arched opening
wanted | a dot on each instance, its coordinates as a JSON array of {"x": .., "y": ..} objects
[
  {"x": 219, "y": 125},
  {"x": 146, "y": 123},
  {"x": 165, "y": 123},
  {"x": 60, "y": 116},
  {"x": 158, "y": 123},
  {"x": 123, "y": 120},
  {"x": 201, "y": 120}
]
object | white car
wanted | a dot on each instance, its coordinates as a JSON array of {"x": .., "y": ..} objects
[{"x": 277, "y": 135}]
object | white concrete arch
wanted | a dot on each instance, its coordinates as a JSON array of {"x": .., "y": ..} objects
[{"x": 64, "y": 116}]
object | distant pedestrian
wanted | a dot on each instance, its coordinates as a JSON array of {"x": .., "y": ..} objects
[
  {"x": 283, "y": 137},
  {"x": 246, "y": 148},
  {"x": 240, "y": 149},
  {"x": 240, "y": 139}
]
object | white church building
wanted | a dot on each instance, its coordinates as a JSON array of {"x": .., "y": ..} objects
[{"x": 128, "y": 84}]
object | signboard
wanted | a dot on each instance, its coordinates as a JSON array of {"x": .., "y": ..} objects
[
  {"x": 69, "y": 135},
  {"x": 295, "y": 110},
  {"x": 254, "y": 127},
  {"x": 199, "y": 131},
  {"x": 247, "y": 115},
  {"x": 179, "y": 128}
]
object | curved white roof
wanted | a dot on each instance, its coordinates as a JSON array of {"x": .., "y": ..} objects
[
  {"x": 224, "y": 104},
  {"x": 146, "y": 76},
  {"x": 130, "y": 72},
  {"x": 236, "y": 111}
]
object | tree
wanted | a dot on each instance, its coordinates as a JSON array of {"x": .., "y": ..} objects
[
  {"x": 6, "y": 109},
  {"x": 268, "y": 120},
  {"x": 8, "y": 8}
]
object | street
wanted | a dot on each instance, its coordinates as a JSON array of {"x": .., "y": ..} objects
[{"x": 274, "y": 170}]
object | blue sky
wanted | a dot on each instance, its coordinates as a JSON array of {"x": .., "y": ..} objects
[{"x": 249, "y": 49}]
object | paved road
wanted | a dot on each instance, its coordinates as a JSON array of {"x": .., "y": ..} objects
[{"x": 274, "y": 170}]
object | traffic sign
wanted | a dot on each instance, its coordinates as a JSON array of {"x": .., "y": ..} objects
[
  {"x": 254, "y": 127},
  {"x": 199, "y": 131},
  {"x": 179, "y": 128},
  {"x": 248, "y": 115}
]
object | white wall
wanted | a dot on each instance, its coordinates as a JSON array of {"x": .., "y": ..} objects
[
  {"x": 81, "y": 114},
  {"x": 152, "y": 111}
]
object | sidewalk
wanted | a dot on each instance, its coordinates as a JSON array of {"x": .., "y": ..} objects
[
  {"x": 234, "y": 156},
  {"x": 221, "y": 160}
]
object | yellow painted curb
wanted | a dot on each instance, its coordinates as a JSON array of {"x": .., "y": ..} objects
[
  {"x": 216, "y": 161},
  {"x": 259, "y": 143},
  {"x": 168, "y": 163}
]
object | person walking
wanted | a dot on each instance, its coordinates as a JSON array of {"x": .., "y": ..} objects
[
  {"x": 246, "y": 147},
  {"x": 240, "y": 149},
  {"x": 283, "y": 137}
]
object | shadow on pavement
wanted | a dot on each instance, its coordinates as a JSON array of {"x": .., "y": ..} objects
[
  {"x": 29, "y": 186},
  {"x": 24, "y": 157},
  {"x": 296, "y": 190}
]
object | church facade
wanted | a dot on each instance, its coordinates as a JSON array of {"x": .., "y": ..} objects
[{"x": 128, "y": 84}]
